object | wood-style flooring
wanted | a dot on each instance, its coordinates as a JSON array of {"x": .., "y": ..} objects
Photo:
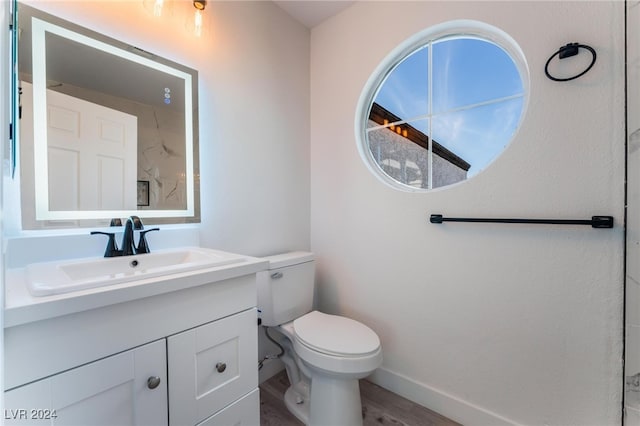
[{"x": 379, "y": 407}]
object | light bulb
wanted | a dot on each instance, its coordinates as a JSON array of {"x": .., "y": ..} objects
[
  {"x": 157, "y": 7},
  {"x": 197, "y": 23}
]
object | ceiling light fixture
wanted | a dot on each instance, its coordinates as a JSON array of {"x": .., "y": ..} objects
[
  {"x": 197, "y": 22},
  {"x": 155, "y": 7}
]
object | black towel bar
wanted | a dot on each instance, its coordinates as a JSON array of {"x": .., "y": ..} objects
[{"x": 595, "y": 221}]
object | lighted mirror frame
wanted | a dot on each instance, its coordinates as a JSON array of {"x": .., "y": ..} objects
[
  {"x": 41, "y": 171},
  {"x": 464, "y": 28}
]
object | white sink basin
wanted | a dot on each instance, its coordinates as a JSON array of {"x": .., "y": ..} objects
[{"x": 49, "y": 278}]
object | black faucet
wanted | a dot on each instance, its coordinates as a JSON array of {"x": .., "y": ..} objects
[
  {"x": 143, "y": 245},
  {"x": 128, "y": 245},
  {"x": 112, "y": 247}
]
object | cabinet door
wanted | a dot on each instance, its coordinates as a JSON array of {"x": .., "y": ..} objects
[
  {"x": 129, "y": 388},
  {"x": 212, "y": 366},
  {"x": 244, "y": 412}
]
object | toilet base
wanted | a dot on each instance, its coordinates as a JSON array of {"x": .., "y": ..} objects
[
  {"x": 318, "y": 397},
  {"x": 335, "y": 402},
  {"x": 297, "y": 404},
  {"x": 343, "y": 396}
]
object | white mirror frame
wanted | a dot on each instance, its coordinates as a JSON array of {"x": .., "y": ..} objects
[{"x": 39, "y": 30}]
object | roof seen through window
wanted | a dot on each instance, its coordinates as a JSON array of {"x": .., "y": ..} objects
[{"x": 464, "y": 91}]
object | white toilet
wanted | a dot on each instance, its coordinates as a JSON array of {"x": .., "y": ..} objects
[{"x": 325, "y": 355}]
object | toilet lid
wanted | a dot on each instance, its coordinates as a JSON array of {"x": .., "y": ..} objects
[{"x": 335, "y": 335}]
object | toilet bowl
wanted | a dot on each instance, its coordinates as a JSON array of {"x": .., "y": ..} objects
[
  {"x": 324, "y": 355},
  {"x": 335, "y": 344}
]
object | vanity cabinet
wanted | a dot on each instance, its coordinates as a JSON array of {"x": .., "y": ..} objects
[
  {"x": 243, "y": 412},
  {"x": 129, "y": 388},
  {"x": 184, "y": 357},
  {"x": 212, "y": 366}
]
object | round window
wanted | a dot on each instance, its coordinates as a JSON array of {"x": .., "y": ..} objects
[{"x": 442, "y": 106}]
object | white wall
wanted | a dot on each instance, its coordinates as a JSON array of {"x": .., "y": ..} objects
[
  {"x": 632, "y": 345},
  {"x": 254, "y": 157},
  {"x": 487, "y": 324},
  {"x": 253, "y": 66}
]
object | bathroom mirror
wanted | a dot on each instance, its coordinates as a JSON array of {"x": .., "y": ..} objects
[{"x": 107, "y": 130}]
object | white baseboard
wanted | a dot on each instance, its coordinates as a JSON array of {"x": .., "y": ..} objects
[{"x": 436, "y": 400}]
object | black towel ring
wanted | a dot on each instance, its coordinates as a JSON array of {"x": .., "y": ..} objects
[{"x": 567, "y": 51}]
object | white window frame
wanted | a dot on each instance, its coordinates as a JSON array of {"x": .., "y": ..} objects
[{"x": 463, "y": 28}]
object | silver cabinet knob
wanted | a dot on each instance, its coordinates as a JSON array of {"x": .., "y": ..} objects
[
  {"x": 153, "y": 382},
  {"x": 220, "y": 367},
  {"x": 277, "y": 275}
]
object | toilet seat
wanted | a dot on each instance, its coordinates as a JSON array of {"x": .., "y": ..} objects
[
  {"x": 331, "y": 357},
  {"x": 335, "y": 335}
]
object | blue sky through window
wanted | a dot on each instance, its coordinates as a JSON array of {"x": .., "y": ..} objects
[
  {"x": 405, "y": 91},
  {"x": 477, "y": 96}
]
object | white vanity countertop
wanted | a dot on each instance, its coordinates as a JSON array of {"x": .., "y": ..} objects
[{"x": 21, "y": 307}]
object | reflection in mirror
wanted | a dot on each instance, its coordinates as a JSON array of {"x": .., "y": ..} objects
[{"x": 106, "y": 129}]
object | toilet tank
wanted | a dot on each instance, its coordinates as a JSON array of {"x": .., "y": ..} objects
[{"x": 285, "y": 291}]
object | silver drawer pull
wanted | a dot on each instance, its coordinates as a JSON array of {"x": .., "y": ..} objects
[
  {"x": 220, "y": 367},
  {"x": 153, "y": 382},
  {"x": 276, "y": 275}
]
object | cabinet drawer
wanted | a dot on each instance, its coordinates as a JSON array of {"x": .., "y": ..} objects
[
  {"x": 211, "y": 366},
  {"x": 112, "y": 391},
  {"x": 244, "y": 412}
]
